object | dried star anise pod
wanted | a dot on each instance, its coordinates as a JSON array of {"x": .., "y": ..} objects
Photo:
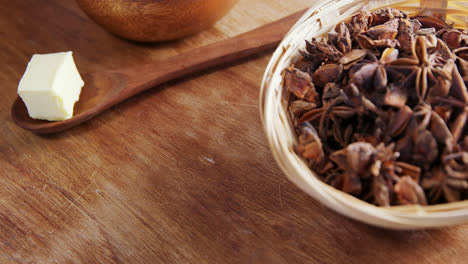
[
  {"x": 380, "y": 108},
  {"x": 454, "y": 38},
  {"x": 409, "y": 192},
  {"x": 385, "y": 14},
  {"x": 406, "y": 34},
  {"x": 310, "y": 145},
  {"x": 341, "y": 39},
  {"x": 426, "y": 68},
  {"x": 300, "y": 84},
  {"x": 371, "y": 73},
  {"x": 432, "y": 22}
]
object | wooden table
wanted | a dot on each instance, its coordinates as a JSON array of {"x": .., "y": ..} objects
[{"x": 179, "y": 174}]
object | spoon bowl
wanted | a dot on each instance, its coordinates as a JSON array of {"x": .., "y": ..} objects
[
  {"x": 98, "y": 91},
  {"x": 107, "y": 88}
]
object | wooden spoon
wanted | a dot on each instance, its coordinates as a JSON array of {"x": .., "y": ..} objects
[{"x": 107, "y": 88}]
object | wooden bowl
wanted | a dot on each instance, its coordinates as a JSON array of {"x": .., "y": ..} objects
[
  {"x": 279, "y": 129},
  {"x": 149, "y": 21}
]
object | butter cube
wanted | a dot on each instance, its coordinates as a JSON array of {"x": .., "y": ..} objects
[{"x": 50, "y": 86}]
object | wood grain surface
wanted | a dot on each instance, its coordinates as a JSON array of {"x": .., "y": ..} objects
[{"x": 178, "y": 174}]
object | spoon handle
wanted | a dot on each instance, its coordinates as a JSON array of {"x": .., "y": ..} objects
[{"x": 252, "y": 42}]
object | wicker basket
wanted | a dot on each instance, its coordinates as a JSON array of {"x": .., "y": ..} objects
[{"x": 317, "y": 21}]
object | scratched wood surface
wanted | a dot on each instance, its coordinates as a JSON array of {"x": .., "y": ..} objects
[{"x": 179, "y": 174}]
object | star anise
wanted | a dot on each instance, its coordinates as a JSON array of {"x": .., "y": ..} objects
[
  {"x": 432, "y": 22},
  {"x": 381, "y": 106},
  {"x": 426, "y": 68},
  {"x": 298, "y": 107},
  {"x": 359, "y": 23},
  {"x": 409, "y": 192},
  {"x": 371, "y": 72},
  {"x": 341, "y": 38},
  {"x": 455, "y": 38},
  {"x": 407, "y": 29},
  {"x": 332, "y": 110},
  {"x": 328, "y": 73},
  {"x": 384, "y": 173},
  {"x": 301, "y": 85},
  {"x": 352, "y": 58},
  {"x": 398, "y": 121},
  {"x": 440, "y": 185},
  {"x": 456, "y": 99},
  {"x": 310, "y": 145},
  {"x": 383, "y": 15},
  {"x": 385, "y": 39},
  {"x": 315, "y": 54},
  {"x": 462, "y": 61},
  {"x": 353, "y": 161}
]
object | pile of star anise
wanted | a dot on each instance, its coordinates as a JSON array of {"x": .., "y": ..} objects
[{"x": 380, "y": 108}]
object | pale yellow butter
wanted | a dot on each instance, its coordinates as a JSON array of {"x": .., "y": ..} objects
[{"x": 50, "y": 86}]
